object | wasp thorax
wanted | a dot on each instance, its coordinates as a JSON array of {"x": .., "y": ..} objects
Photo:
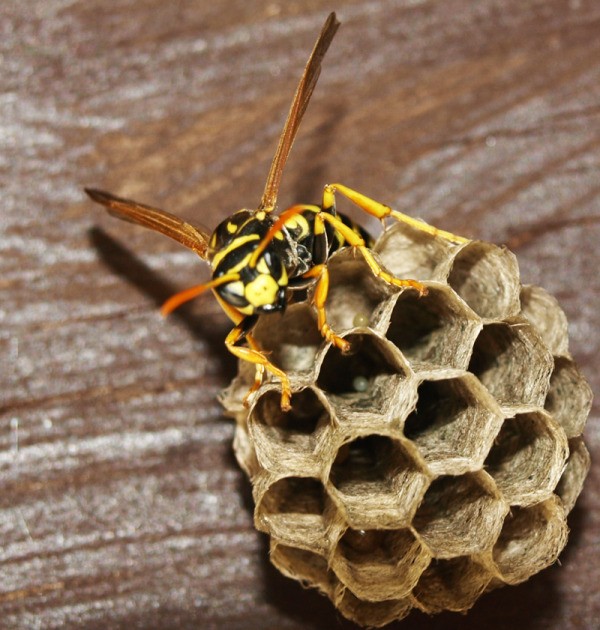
[{"x": 436, "y": 461}]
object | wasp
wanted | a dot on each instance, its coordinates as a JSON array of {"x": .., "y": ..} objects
[{"x": 257, "y": 258}]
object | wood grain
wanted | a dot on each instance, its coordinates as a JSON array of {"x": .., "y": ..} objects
[{"x": 121, "y": 505}]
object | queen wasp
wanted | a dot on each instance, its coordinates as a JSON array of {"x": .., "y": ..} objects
[{"x": 257, "y": 258}]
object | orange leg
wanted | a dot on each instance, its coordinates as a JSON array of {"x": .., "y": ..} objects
[{"x": 382, "y": 211}]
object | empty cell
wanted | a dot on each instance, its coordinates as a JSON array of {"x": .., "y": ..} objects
[
  {"x": 569, "y": 398},
  {"x": 298, "y": 429},
  {"x": 453, "y": 584},
  {"x": 460, "y": 516},
  {"x": 354, "y": 292},
  {"x": 571, "y": 483},
  {"x": 376, "y": 483},
  {"x": 436, "y": 329},
  {"x": 527, "y": 458},
  {"x": 487, "y": 278},
  {"x": 292, "y": 511},
  {"x": 531, "y": 540},
  {"x": 379, "y": 565},
  {"x": 371, "y": 614},
  {"x": 513, "y": 363},
  {"x": 454, "y": 424},
  {"x": 292, "y": 339},
  {"x": 300, "y": 564},
  {"x": 411, "y": 254}
]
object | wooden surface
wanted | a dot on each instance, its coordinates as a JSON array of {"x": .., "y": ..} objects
[{"x": 121, "y": 505}]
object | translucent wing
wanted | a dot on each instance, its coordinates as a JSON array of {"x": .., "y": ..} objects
[
  {"x": 194, "y": 238},
  {"x": 299, "y": 104}
]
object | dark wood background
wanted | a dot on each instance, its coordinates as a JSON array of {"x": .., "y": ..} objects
[{"x": 121, "y": 504}]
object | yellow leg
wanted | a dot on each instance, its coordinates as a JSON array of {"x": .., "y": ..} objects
[
  {"x": 252, "y": 355},
  {"x": 353, "y": 239},
  {"x": 255, "y": 356},
  {"x": 320, "y": 297},
  {"x": 382, "y": 211}
]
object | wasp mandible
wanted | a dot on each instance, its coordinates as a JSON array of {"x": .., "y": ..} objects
[{"x": 257, "y": 258}]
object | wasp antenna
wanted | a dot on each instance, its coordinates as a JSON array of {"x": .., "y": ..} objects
[{"x": 186, "y": 295}]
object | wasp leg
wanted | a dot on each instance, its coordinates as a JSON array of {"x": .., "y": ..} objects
[
  {"x": 382, "y": 211},
  {"x": 257, "y": 357},
  {"x": 320, "y": 296},
  {"x": 245, "y": 323},
  {"x": 353, "y": 239}
]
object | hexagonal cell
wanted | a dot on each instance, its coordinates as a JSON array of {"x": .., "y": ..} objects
[
  {"x": 436, "y": 329},
  {"x": 511, "y": 360},
  {"x": 409, "y": 253},
  {"x": 571, "y": 483},
  {"x": 364, "y": 378},
  {"x": 355, "y": 293},
  {"x": 281, "y": 434},
  {"x": 487, "y": 278},
  {"x": 243, "y": 447},
  {"x": 291, "y": 338},
  {"x": 454, "y": 424},
  {"x": 375, "y": 483},
  {"x": 292, "y": 511},
  {"x": 544, "y": 313},
  {"x": 452, "y": 584},
  {"x": 569, "y": 398},
  {"x": 531, "y": 539},
  {"x": 370, "y": 614},
  {"x": 377, "y": 565},
  {"x": 527, "y": 458},
  {"x": 299, "y": 564},
  {"x": 460, "y": 516}
]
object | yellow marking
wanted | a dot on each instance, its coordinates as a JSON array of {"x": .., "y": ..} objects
[
  {"x": 262, "y": 290},
  {"x": 262, "y": 267},
  {"x": 261, "y": 215},
  {"x": 231, "y": 227},
  {"x": 236, "y": 287},
  {"x": 298, "y": 221},
  {"x": 241, "y": 240},
  {"x": 283, "y": 278}
]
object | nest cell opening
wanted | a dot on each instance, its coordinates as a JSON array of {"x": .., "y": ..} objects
[
  {"x": 291, "y": 339},
  {"x": 410, "y": 253},
  {"x": 295, "y": 495},
  {"x": 530, "y": 541},
  {"x": 377, "y": 482},
  {"x": 300, "y": 564},
  {"x": 569, "y": 398},
  {"x": 453, "y": 584},
  {"x": 453, "y": 424},
  {"x": 292, "y": 511},
  {"x": 354, "y": 292},
  {"x": 371, "y": 614},
  {"x": 487, "y": 278},
  {"x": 435, "y": 329},
  {"x": 460, "y": 516},
  {"x": 363, "y": 376},
  {"x": 297, "y": 428},
  {"x": 571, "y": 483},
  {"x": 379, "y": 565},
  {"x": 527, "y": 458},
  {"x": 513, "y": 363}
]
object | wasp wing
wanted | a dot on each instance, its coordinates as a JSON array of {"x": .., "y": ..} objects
[
  {"x": 301, "y": 97},
  {"x": 194, "y": 238}
]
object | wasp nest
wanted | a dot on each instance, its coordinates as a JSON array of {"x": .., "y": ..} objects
[{"x": 440, "y": 457}]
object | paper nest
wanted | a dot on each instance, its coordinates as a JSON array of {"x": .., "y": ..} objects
[{"x": 436, "y": 461}]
